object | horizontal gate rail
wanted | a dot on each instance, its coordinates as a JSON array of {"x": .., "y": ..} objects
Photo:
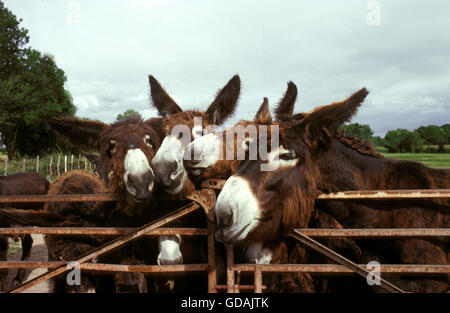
[
  {"x": 340, "y": 269},
  {"x": 101, "y": 267},
  {"x": 375, "y": 233},
  {"x": 104, "y": 231},
  {"x": 387, "y": 194},
  {"x": 59, "y": 198}
]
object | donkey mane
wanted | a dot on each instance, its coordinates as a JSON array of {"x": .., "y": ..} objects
[{"x": 358, "y": 144}]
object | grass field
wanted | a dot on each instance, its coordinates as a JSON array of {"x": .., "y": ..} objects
[{"x": 434, "y": 160}]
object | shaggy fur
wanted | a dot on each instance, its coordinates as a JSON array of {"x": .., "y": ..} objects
[
  {"x": 325, "y": 164},
  {"x": 19, "y": 184}
]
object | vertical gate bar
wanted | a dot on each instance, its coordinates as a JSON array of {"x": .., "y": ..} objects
[
  {"x": 230, "y": 268},
  {"x": 258, "y": 280},
  {"x": 212, "y": 272}
]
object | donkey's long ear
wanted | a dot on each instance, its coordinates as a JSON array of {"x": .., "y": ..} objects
[
  {"x": 225, "y": 103},
  {"x": 263, "y": 115},
  {"x": 81, "y": 133},
  {"x": 285, "y": 108},
  {"x": 90, "y": 156},
  {"x": 165, "y": 105},
  {"x": 321, "y": 125}
]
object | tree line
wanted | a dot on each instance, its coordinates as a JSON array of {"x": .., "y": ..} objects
[{"x": 421, "y": 139}]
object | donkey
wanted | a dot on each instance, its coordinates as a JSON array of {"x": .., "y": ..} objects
[
  {"x": 31, "y": 183},
  {"x": 208, "y": 148},
  {"x": 177, "y": 127},
  {"x": 126, "y": 149},
  {"x": 264, "y": 206}
]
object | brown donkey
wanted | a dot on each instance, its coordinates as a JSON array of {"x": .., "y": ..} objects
[
  {"x": 19, "y": 184},
  {"x": 264, "y": 206}
]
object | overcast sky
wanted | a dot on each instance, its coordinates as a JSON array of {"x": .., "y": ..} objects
[{"x": 328, "y": 48}]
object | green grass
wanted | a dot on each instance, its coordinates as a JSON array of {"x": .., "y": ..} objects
[
  {"x": 434, "y": 160},
  {"x": 14, "y": 247}
]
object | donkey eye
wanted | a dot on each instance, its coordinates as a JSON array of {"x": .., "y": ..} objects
[
  {"x": 147, "y": 141},
  {"x": 287, "y": 156},
  {"x": 112, "y": 147}
]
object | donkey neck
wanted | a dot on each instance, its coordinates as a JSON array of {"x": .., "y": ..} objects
[{"x": 343, "y": 168}]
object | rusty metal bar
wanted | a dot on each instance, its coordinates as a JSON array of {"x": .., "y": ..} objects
[
  {"x": 111, "y": 245},
  {"x": 376, "y": 233},
  {"x": 343, "y": 261},
  {"x": 241, "y": 287},
  {"x": 58, "y": 198},
  {"x": 212, "y": 271},
  {"x": 101, "y": 267},
  {"x": 387, "y": 194},
  {"x": 104, "y": 231},
  {"x": 412, "y": 269},
  {"x": 341, "y": 269},
  {"x": 230, "y": 268},
  {"x": 258, "y": 280}
]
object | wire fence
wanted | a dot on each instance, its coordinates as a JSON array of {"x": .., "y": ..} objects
[{"x": 51, "y": 166}]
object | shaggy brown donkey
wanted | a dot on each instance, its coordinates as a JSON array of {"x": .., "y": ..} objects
[
  {"x": 310, "y": 160},
  {"x": 19, "y": 184}
]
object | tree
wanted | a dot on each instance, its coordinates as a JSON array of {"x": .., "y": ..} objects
[
  {"x": 361, "y": 131},
  {"x": 433, "y": 135},
  {"x": 127, "y": 114},
  {"x": 446, "y": 129},
  {"x": 31, "y": 92},
  {"x": 403, "y": 140}
]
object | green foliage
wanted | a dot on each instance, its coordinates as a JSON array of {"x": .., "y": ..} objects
[
  {"x": 31, "y": 92},
  {"x": 361, "y": 131},
  {"x": 127, "y": 114},
  {"x": 446, "y": 129},
  {"x": 433, "y": 135},
  {"x": 403, "y": 140}
]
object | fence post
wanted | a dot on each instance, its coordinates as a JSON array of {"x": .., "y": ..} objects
[
  {"x": 71, "y": 162},
  {"x": 78, "y": 161},
  {"x": 5, "y": 173},
  {"x": 85, "y": 163},
  {"x": 37, "y": 163},
  {"x": 58, "y": 172},
  {"x": 50, "y": 168},
  {"x": 65, "y": 163},
  {"x": 23, "y": 165},
  {"x": 230, "y": 269},
  {"x": 212, "y": 273}
]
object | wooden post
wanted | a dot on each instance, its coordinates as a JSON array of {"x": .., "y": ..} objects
[
  {"x": 212, "y": 272},
  {"x": 23, "y": 165},
  {"x": 71, "y": 162},
  {"x": 50, "y": 168},
  {"x": 37, "y": 163},
  {"x": 258, "y": 280},
  {"x": 5, "y": 172},
  {"x": 230, "y": 269},
  {"x": 78, "y": 161},
  {"x": 58, "y": 172},
  {"x": 85, "y": 163},
  {"x": 65, "y": 163}
]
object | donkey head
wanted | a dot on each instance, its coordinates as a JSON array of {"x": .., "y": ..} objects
[
  {"x": 126, "y": 150},
  {"x": 258, "y": 205},
  {"x": 179, "y": 128},
  {"x": 210, "y": 155}
]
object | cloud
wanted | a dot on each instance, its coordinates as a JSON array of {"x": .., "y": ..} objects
[{"x": 194, "y": 47}]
